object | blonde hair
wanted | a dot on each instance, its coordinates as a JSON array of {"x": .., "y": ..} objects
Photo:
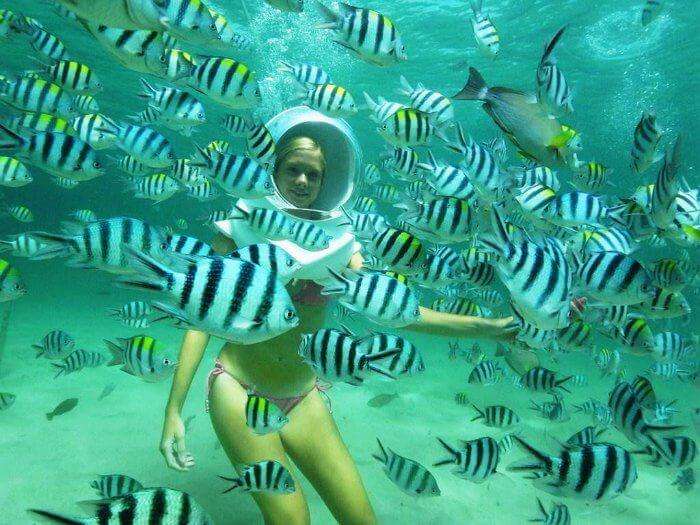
[{"x": 296, "y": 144}]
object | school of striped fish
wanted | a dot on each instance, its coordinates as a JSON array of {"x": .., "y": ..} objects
[{"x": 526, "y": 223}]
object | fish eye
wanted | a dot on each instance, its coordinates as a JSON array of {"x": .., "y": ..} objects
[
  {"x": 289, "y": 314},
  {"x": 267, "y": 185},
  {"x": 170, "y": 155},
  {"x": 96, "y": 165},
  {"x": 18, "y": 287},
  {"x": 290, "y": 262},
  {"x": 200, "y": 116},
  {"x": 166, "y": 361},
  {"x": 163, "y": 59}
]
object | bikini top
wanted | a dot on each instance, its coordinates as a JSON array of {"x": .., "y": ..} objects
[{"x": 314, "y": 264}]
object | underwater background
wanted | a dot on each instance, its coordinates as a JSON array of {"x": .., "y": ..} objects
[{"x": 617, "y": 69}]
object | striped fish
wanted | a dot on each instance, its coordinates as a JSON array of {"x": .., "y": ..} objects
[
  {"x": 330, "y": 99},
  {"x": 371, "y": 35},
  {"x": 41, "y": 122},
  {"x": 614, "y": 278},
  {"x": 381, "y": 298},
  {"x": 536, "y": 174},
  {"x": 650, "y": 11},
  {"x": 157, "y": 187},
  {"x": 486, "y": 373},
  {"x": 141, "y": 356},
  {"x": 365, "y": 225},
  {"x": 540, "y": 379},
  {"x": 552, "y": 410},
  {"x": 13, "y": 174},
  {"x": 603, "y": 240},
  {"x": 634, "y": 334},
  {"x": 187, "y": 174},
  {"x": 558, "y": 515},
  {"x": 115, "y": 485},
  {"x": 408, "y": 360},
  {"x": 41, "y": 40},
  {"x": 174, "y": 105},
  {"x": 485, "y": 32},
  {"x": 100, "y": 244},
  {"x": 644, "y": 392},
  {"x": 21, "y": 245},
  {"x": 309, "y": 236},
  {"x": 681, "y": 452},
  {"x": 56, "y": 344},
  {"x": 271, "y": 223},
  {"x": 178, "y": 64},
  {"x": 663, "y": 199},
  {"x": 133, "y": 314},
  {"x": 133, "y": 167},
  {"x": 664, "y": 304},
  {"x": 476, "y": 460},
  {"x": 227, "y": 82},
  {"x": 553, "y": 91},
  {"x": 189, "y": 20},
  {"x": 336, "y": 355},
  {"x": 63, "y": 182},
  {"x": 185, "y": 245},
  {"x": 382, "y": 108},
  {"x": 670, "y": 370},
  {"x": 408, "y": 128},
  {"x": 74, "y": 76},
  {"x": 480, "y": 274},
  {"x": 445, "y": 219},
  {"x": 264, "y": 476},
  {"x": 77, "y": 360},
  {"x": 577, "y": 209},
  {"x": 538, "y": 279},
  {"x": 229, "y": 298},
  {"x": 632, "y": 217},
  {"x": 590, "y": 175},
  {"x": 402, "y": 162},
  {"x": 38, "y": 96},
  {"x": 408, "y": 475},
  {"x": 305, "y": 73},
  {"x": 159, "y": 506},
  {"x": 86, "y": 104},
  {"x": 93, "y": 129},
  {"x": 664, "y": 411},
  {"x": 236, "y": 125},
  {"x": 231, "y": 35},
  {"x": 59, "y": 154},
  {"x": 578, "y": 336},
  {"x": 386, "y": 193},
  {"x": 534, "y": 201},
  {"x": 143, "y": 144},
  {"x": 259, "y": 143},
  {"x": 608, "y": 361},
  {"x": 371, "y": 174},
  {"x": 203, "y": 192},
  {"x": 20, "y": 213},
  {"x": 460, "y": 306},
  {"x": 237, "y": 175},
  {"x": 586, "y": 436},
  {"x": 491, "y": 298},
  {"x": 671, "y": 346},
  {"x": 439, "y": 271},
  {"x": 497, "y": 416},
  {"x": 262, "y": 416},
  {"x": 399, "y": 249},
  {"x": 11, "y": 284},
  {"x": 435, "y": 104},
  {"x": 591, "y": 472}
]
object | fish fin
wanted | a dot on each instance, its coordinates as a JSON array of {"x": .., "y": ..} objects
[
  {"x": 52, "y": 517},
  {"x": 480, "y": 414},
  {"x": 381, "y": 371},
  {"x": 116, "y": 351},
  {"x": 60, "y": 367},
  {"x": 339, "y": 288},
  {"x": 171, "y": 312},
  {"x": 541, "y": 458},
  {"x": 406, "y": 88},
  {"x": 474, "y": 89},
  {"x": 39, "y": 349},
  {"x": 384, "y": 458},
  {"x": 451, "y": 451},
  {"x": 13, "y": 142}
]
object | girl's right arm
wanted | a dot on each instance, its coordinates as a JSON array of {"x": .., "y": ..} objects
[{"x": 172, "y": 444}]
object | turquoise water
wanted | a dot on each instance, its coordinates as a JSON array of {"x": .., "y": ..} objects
[{"x": 616, "y": 68}]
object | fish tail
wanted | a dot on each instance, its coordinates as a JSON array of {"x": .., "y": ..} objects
[
  {"x": 476, "y": 6},
  {"x": 156, "y": 274},
  {"x": 39, "y": 349},
  {"x": 116, "y": 351},
  {"x": 406, "y": 88},
  {"x": 339, "y": 288},
  {"x": 384, "y": 458},
  {"x": 371, "y": 104},
  {"x": 330, "y": 16},
  {"x": 285, "y": 67},
  {"x": 236, "y": 483},
  {"x": 543, "y": 512},
  {"x": 203, "y": 159},
  {"x": 150, "y": 90},
  {"x": 61, "y": 369},
  {"x": 474, "y": 89},
  {"x": 542, "y": 459},
  {"x": 52, "y": 517},
  {"x": 13, "y": 140},
  {"x": 452, "y": 452},
  {"x": 562, "y": 381},
  {"x": 546, "y": 56}
]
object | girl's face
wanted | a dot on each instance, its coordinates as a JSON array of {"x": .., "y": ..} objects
[{"x": 299, "y": 177}]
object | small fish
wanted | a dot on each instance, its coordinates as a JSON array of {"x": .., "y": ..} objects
[
  {"x": 381, "y": 400},
  {"x": 485, "y": 32},
  {"x": 551, "y": 410},
  {"x": 645, "y": 143},
  {"x": 56, "y": 344},
  {"x": 664, "y": 304},
  {"x": 476, "y": 460},
  {"x": 541, "y": 379},
  {"x": 84, "y": 216},
  {"x": 407, "y": 360},
  {"x": 141, "y": 356},
  {"x": 437, "y": 105},
  {"x": 671, "y": 346},
  {"x": 107, "y": 390},
  {"x": 485, "y": 373},
  {"x": 462, "y": 399},
  {"x": 262, "y": 416},
  {"x": 408, "y": 475},
  {"x": 552, "y": 89},
  {"x": 264, "y": 476},
  {"x": 409, "y": 128},
  {"x": 133, "y": 314},
  {"x": 664, "y": 411},
  {"x": 13, "y": 174},
  {"x": 78, "y": 360},
  {"x": 586, "y": 436},
  {"x": 685, "y": 480},
  {"x": 497, "y": 416},
  {"x": 6, "y": 400},
  {"x": 306, "y": 73},
  {"x": 557, "y": 515},
  {"x": 330, "y": 99},
  {"x": 614, "y": 278},
  {"x": 670, "y": 370},
  {"x": 115, "y": 485},
  {"x": 63, "y": 407}
]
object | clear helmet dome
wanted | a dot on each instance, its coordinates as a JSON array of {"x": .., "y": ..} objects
[{"x": 342, "y": 154}]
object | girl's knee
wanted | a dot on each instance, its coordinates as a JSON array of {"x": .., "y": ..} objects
[{"x": 293, "y": 513}]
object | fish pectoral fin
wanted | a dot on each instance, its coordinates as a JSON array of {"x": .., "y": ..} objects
[{"x": 127, "y": 370}]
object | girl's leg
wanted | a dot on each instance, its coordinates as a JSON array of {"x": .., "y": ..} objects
[
  {"x": 312, "y": 440},
  {"x": 227, "y": 410}
]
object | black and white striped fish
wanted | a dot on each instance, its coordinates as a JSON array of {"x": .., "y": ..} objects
[
  {"x": 497, "y": 416},
  {"x": 141, "y": 356},
  {"x": 330, "y": 99},
  {"x": 40, "y": 39},
  {"x": 382, "y": 108},
  {"x": 673, "y": 274},
  {"x": 486, "y": 373},
  {"x": 238, "y": 175},
  {"x": 371, "y": 35},
  {"x": 445, "y": 219},
  {"x": 664, "y": 411},
  {"x": 365, "y": 225},
  {"x": 408, "y": 360},
  {"x": 644, "y": 392},
  {"x": 100, "y": 244},
  {"x": 264, "y": 476},
  {"x": 408, "y": 475},
  {"x": 576, "y": 209},
  {"x": 158, "y": 506},
  {"x": 614, "y": 278},
  {"x": 157, "y": 187},
  {"x": 381, "y": 298},
  {"x": 666, "y": 189},
  {"x": 408, "y": 128},
  {"x": 56, "y": 344},
  {"x": 133, "y": 314},
  {"x": 174, "y": 105},
  {"x": 400, "y": 250},
  {"x": 186, "y": 245},
  {"x": 536, "y": 174},
  {"x": 262, "y": 416},
  {"x": 664, "y": 304},
  {"x": 558, "y": 515},
  {"x": 681, "y": 452},
  {"x": 229, "y": 298},
  {"x": 20, "y": 213},
  {"x": 586, "y": 436},
  {"x": 437, "y": 105},
  {"x": 671, "y": 370},
  {"x": 144, "y": 144},
  {"x": 552, "y": 410},
  {"x": 590, "y": 472},
  {"x": 671, "y": 346},
  {"x": 115, "y": 485},
  {"x": 305, "y": 73},
  {"x": 476, "y": 460},
  {"x": 553, "y": 91},
  {"x": 603, "y": 240},
  {"x": 57, "y": 153},
  {"x": 93, "y": 129},
  {"x": 77, "y": 360},
  {"x": 21, "y": 245},
  {"x": 540, "y": 379},
  {"x": 402, "y": 162},
  {"x": 448, "y": 180},
  {"x": 336, "y": 355},
  {"x": 439, "y": 271},
  {"x": 226, "y": 81},
  {"x": 74, "y": 76},
  {"x": 86, "y": 104},
  {"x": 485, "y": 32},
  {"x": 259, "y": 143},
  {"x": 269, "y": 256}
]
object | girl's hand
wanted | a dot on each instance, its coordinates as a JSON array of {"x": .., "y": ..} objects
[{"x": 172, "y": 443}]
